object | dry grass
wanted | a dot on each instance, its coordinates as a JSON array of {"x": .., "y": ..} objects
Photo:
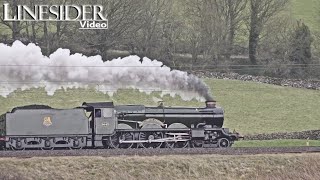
[{"x": 301, "y": 166}]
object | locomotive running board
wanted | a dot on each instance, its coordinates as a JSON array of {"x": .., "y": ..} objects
[
  {"x": 152, "y": 141},
  {"x": 156, "y": 140},
  {"x": 154, "y": 129}
]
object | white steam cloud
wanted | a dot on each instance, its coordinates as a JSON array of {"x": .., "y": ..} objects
[{"x": 24, "y": 67}]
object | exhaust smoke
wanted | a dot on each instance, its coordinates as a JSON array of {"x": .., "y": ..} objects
[{"x": 24, "y": 67}]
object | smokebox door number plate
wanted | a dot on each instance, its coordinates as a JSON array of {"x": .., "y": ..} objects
[{"x": 47, "y": 121}]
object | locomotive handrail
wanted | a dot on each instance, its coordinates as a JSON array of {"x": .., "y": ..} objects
[
  {"x": 201, "y": 124},
  {"x": 136, "y": 122}
]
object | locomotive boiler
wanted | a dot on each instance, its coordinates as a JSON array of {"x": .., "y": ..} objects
[
  {"x": 190, "y": 117},
  {"x": 103, "y": 125}
]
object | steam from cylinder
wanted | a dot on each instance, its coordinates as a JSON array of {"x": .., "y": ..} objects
[{"x": 24, "y": 67}]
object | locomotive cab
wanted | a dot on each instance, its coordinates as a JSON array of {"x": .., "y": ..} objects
[{"x": 103, "y": 120}]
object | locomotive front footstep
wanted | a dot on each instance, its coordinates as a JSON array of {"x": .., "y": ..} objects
[{"x": 103, "y": 125}]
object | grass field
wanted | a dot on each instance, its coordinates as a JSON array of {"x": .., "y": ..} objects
[
  {"x": 308, "y": 11},
  {"x": 250, "y": 108},
  {"x": 292, "y": 166},
  {"x": 277, "y": 143},
  {"x": 255, "y": 108}
]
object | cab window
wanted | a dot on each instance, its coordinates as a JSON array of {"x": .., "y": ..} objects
[
  {"x": 108, "y": 112},
  {"x": 97, "y": 113}
]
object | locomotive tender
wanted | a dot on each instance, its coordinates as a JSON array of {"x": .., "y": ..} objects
[{"x": 103, "y": 125}]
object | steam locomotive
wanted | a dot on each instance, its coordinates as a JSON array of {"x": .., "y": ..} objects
[{"x": 103, "y": 125}]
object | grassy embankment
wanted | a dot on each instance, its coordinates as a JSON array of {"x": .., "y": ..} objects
[
  {"x": 250, "y": 108},
  {"x": 277, "y": 143},
  {"x": 301, "y": 166}
]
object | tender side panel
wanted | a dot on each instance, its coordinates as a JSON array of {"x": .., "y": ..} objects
[
  {"x": 38, "y": 122},
  {"x": 2, "y": 131}
]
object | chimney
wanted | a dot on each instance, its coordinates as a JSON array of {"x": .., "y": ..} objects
[{"x": 211, "y": 104}]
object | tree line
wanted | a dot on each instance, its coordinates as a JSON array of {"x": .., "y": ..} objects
[{"x": 244, "y": 36}]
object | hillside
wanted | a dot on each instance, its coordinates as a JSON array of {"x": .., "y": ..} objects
[{"x": 250, "y": 108}]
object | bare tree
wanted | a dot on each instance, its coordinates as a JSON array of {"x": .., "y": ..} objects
[
  {"x": 233, "y": 14},
  {"x": 122, "y": 16},
  {"x": 214, "y": 25},
  {"x": 150, "y": 30},
  {"x": 192, "y": 35},
  {"x": 260, "y": 13},
  {"x": 207, "y": 31},
  {"x": 171, "y": 32},
  {"x": 14, "y": 26}
]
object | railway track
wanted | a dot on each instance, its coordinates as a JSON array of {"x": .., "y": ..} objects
[{"x": 157, "y": 152}]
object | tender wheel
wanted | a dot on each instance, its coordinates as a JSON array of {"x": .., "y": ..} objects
[
  {"x": 17, "y": 149},
  {"x": 223, "y": 143},
  {"x": 18, "y": 145},
  {"x": 150, "y": 136},
  {"x": 47, "y": 145}
]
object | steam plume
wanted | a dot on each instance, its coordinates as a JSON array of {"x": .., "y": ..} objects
[{"x": 24, "y": 67}]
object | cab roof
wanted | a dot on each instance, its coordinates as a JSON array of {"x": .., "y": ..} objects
[{"x": 98, "y": 105}]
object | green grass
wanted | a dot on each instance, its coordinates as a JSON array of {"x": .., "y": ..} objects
[
  {"x": 260, "y": 108},
  {"x": 250, "y": 108},
  {"x": 277, "y": 143},
  {"x": 308, "y": 11}
]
